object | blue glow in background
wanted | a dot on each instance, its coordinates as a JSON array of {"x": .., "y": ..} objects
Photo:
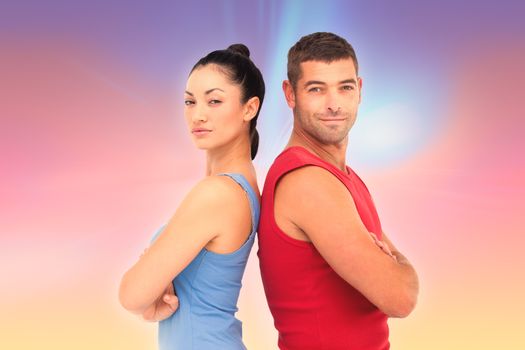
[{"x": 94, "y": 154}]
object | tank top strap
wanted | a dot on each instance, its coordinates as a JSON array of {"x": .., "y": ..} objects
[
  {"x": 252, "y": 196},
  {"x": 295, "y": 157}
]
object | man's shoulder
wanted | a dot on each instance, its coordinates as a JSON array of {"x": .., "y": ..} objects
[
  {"x": 310, "y": 178},
  {"x": 292, "y": 158}
]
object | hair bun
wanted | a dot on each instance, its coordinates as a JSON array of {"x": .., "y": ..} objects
[{"x": 241, "y": 49}]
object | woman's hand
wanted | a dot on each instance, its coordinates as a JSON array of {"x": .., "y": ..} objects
[
  {"x": 143, "y": 287},
  {"x": 163, "y": 307}
]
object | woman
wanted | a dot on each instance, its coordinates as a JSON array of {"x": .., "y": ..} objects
[{"x": 202, "y": 252}]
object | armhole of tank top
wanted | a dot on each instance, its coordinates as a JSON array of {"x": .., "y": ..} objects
[
  {"x": 253, "y": 216},
  {"x": 253, "y": 202},
  {"x": 279, "y": 232},
  {"x": 376, "y": 214},
  {"x": 273, "y": 222}
]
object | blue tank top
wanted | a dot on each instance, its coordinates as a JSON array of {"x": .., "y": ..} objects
[{"x": 208, "y": 290}]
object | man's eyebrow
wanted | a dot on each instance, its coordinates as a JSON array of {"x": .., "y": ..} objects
[
  {"x": 314, "y": 82},
  {"x": 318, "y": 82},
  {"x": 348, "y": 81}
]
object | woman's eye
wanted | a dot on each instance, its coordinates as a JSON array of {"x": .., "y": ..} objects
[
  {"x": 188, "y": 102},
  {"x": 214, "y": 102}
]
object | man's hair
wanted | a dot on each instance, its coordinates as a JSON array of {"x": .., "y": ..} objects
[{"x": 320, "y": 46}]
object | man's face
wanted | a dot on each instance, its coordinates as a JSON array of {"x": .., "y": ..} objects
[{"x": 325, "y": 100}]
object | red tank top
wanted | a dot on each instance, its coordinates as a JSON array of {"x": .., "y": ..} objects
[{"x": 312, "y": 307}]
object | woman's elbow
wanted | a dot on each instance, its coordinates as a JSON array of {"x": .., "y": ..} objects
[{"x": 128, "y": 299}]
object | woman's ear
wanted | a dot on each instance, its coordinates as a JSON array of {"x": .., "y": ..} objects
[{"x": 251, "y": 107}]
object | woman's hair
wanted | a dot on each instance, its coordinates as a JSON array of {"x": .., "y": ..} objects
[{"x": 236, "y": 63}]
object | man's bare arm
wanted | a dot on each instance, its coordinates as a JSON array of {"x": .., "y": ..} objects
[{"x": 318, "y": 204}]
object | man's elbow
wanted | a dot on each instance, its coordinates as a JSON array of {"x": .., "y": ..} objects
[
  {"x": 402, "y": 310},
  {"x": 404, "y": 299},
  {"x": 402, "y": 306}
]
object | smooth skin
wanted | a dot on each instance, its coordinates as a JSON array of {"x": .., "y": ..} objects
[
  {"x": 215, "y": 214},
  {"x": 325, "y": 102}
]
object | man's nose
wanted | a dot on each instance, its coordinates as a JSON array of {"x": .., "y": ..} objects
[{"x": 332, "y": 103}]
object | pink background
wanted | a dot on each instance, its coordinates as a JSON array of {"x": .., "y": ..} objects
[{"x": 94, "y": 156}]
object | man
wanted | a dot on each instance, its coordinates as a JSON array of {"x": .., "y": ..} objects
[{"x": 331, "y": 276}]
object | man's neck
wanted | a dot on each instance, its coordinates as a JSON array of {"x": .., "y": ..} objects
[{"x": 334, "y": 154}]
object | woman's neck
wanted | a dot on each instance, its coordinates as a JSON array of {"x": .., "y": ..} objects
[{"x": 232, "y": 157}]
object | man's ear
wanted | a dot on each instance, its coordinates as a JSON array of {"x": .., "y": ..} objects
[
  {"x": 250, "y": 108},
  {"x": 289, "y": 93},
  {"x": 360, "y": 87}
]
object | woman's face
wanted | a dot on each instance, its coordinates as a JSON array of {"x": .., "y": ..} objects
[{"x": 213, "y": 108}]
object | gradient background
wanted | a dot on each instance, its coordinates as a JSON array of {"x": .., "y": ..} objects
[{"x": 95, "y": 156}]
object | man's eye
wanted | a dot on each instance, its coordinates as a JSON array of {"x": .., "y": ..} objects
[
  {"x": 188, "y": 102},
  {"x": 315, "y": 89},
  {"x": 348, "y": 87}
]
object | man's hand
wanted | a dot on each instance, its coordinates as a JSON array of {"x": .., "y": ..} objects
[
  {"x": 163, "y": 307},
  {"x": 383, "y": 246}
]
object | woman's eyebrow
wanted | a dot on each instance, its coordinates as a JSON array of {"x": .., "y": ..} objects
[
  {"x": 206, "y": 92},
  {"x": 211, "y": 90}
]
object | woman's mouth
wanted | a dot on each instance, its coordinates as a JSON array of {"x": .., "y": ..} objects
[{"x": 200, "y": 131}]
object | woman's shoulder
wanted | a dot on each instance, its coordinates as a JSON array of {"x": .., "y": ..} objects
[
  {"x": 219, "y": 204},
  {"x": 216, "y": 190}
]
